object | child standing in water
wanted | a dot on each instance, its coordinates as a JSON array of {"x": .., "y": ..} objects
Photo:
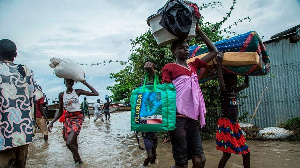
[
  {"x": 186, "y": 140},
  {"x": 106, "y": 108},
  {"x": 229, "y": 136},
  {"x": 150, "y": 141}
]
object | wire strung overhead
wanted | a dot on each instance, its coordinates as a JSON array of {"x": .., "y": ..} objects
[{"x": 106, "y": 62}]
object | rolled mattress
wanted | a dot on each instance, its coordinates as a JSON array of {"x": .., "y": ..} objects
[{"x": 244, "y": 54}]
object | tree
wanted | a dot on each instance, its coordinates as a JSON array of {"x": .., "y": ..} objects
[{"x": 145, "y": 48}]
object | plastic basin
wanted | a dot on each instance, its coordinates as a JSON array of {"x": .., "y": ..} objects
[{"x": 162, "y": 36}]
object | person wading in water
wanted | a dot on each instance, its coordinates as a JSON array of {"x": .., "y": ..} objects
[{"x": 74, "y": 117}]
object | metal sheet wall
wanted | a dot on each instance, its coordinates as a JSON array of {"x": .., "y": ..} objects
[{"x": 279, "y": 90}]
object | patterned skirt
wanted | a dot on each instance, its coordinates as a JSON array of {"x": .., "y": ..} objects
[
  {"x": 229, "y": 137},
  {"x": 73, "y": 122}
]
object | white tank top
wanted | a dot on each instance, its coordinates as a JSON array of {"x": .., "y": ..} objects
[{"x": 71, "y": 101}]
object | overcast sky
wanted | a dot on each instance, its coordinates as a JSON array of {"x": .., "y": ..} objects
[{"x": 91, "y": 31}]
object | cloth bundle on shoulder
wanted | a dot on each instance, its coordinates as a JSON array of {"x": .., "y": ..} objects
[
  {"x": 66, "y": 68},
  {"x": 153, "y": 107}
]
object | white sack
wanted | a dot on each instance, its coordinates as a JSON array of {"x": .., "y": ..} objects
[
  {"x": 274, "y": 133},
  {"x": 66, "y": 68}
]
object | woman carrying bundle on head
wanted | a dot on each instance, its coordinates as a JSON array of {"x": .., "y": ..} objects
[
  {"x": 69, "y": 100},
  {"x": 186, "y": 140}
]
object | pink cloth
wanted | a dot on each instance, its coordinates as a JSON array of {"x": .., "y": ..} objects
[{"x": 189, "y": 98}]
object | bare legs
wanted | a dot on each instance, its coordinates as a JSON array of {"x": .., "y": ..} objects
[
  {"x": 224, "y": 159},
  {"x": 226, "y": 156},
  {"x": 179, "y": 166},
  {"x": 107, "y": 115},
  {"x": 198, "y": 161},
  {"x": 149, "y": 158},
  {"x": 21, "y": 156},
  {"x": 88, "y": 113},
  {"x": 72, "y": 144},
  {"x": 46, "y": 137},
  {"x": 151, "y": 153},
  {"x": 246, "y": 160}
]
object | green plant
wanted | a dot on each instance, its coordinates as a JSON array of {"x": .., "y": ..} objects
[
  {"x": 145, "y": 49},
  {"x": 244, "y": 117},
  {"x": 293, "y": 124}
]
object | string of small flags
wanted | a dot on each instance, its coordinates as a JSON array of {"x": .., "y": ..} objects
[{"x": 106, "y": 62}]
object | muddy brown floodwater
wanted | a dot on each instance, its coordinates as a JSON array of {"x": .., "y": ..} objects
[{"x": 112, "y": 145}]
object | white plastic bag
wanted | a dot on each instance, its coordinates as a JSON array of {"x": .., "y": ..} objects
[
  {"x": 66, "y": 68},
  {"x": 274, "y": 133}
]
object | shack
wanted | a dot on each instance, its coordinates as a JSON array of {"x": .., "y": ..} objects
[{"x": 276, "y": 96}]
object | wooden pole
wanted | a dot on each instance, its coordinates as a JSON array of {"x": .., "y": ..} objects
[{"x": 255, "y": 111}]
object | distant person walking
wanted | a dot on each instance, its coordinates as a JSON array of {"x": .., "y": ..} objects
[
  {"x": 74, "y": 117},
  {"x": 106, "y": 108},
  {"x": 18, "y": 94},
  {"x": 97, "y": 111},
  {"x": 85, "y": 107},
  {"x": 40, "y": 117}
]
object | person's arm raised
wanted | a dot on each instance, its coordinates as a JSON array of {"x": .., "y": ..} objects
[
  {"x": 220, "y": 72},
  {"x": 83, "y": 92},
  {"x": 244, "y": 85},
  {"x": 210, "y": 46},
  {"x": 149, "y": 67}
]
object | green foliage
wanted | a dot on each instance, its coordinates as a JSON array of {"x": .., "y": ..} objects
[
  {"x": 211, "y": 94},
  {"x": 245, "y": 116},
  {"x": 293, "y": 124},
  {"x": 211, "y": 118},
  {"x": 145, "y": 48},
  {"x": 217, "y": 27}
]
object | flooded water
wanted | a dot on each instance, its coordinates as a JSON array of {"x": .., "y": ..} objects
[{"x": 112, "y": 145}]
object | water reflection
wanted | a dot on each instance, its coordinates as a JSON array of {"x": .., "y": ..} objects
[{"x": 112, "y": 144}]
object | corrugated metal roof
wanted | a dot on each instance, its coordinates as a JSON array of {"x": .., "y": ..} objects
[{"x": 285, "y": 34}]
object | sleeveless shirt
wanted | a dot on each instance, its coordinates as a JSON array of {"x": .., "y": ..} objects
[
  {"x": 71, "y": 101},
  {"x": 229, "y": 105}
]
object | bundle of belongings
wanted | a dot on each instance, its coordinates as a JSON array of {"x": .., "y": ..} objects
[
  {"x": 177, "y": 19},
  {"x": 244, "y": 54},
  {"x": 66, "y": 68}
]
